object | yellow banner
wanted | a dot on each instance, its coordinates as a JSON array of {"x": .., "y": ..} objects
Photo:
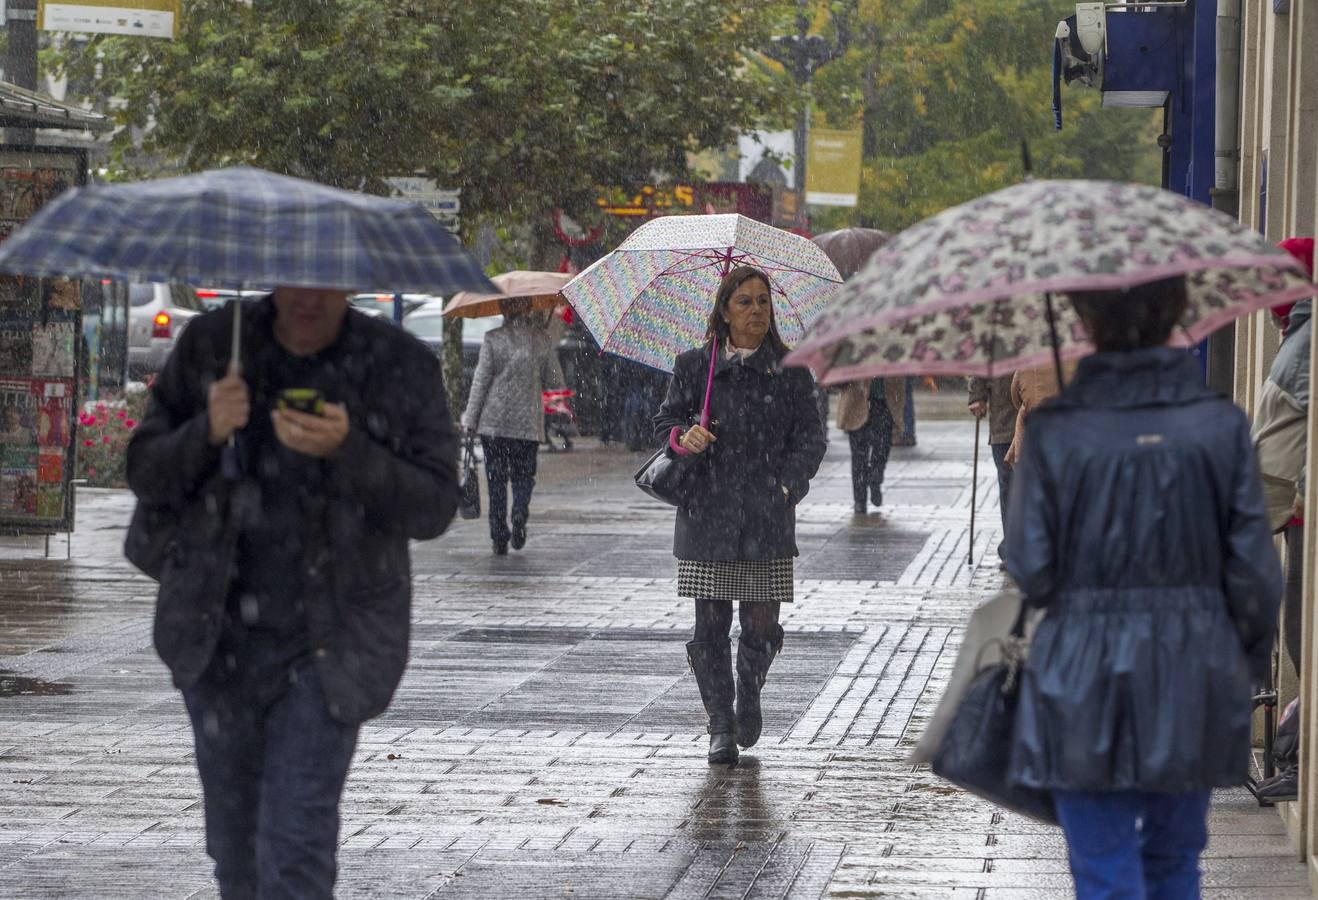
[
  {"x": 832, "y": 169},
  {"x": 142, "y": 18}
]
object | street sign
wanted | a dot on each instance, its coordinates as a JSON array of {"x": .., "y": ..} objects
[
  {"x": 142, "y": 18},
  {"x": 832, "y": 172},
  {"x": 445, "y": 204}
]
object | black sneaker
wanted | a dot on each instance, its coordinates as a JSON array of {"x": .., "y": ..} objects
[
  {"x": 876, "y": 497},
  {"x": 519, "y": 536},
  {"x": 500, "y": 548},
  {"x": 860, "y": 509},
  {"x": 1280, "y": 787}
]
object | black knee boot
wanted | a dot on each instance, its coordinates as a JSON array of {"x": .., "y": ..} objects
[
  {"x": 711, "y": 661},
  {"x": 753, "y": 661}
]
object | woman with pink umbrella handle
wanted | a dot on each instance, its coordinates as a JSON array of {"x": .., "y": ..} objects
[{"x": 751, "y": 435}]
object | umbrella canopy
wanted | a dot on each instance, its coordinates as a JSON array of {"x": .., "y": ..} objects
[
  {"x": 541, "y": 288},
  {"x": 850, "y": 248},
  {"x": 650, "y": 299},
  {"x": 242, "y": 226},
  {"x": 964, "y": 292}
]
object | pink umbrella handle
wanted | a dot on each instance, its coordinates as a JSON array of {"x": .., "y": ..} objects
[
  {"x": 674, "y": 435},
  {"x": 709, "y": 383}
]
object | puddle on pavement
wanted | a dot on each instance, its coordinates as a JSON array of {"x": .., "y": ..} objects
[{"x": 14, "y": 685}]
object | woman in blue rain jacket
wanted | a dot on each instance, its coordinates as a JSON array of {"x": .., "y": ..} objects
[{"x": 1137, "y": 522}]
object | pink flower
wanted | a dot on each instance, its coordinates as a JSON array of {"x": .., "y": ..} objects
[
  {"x": 100, "y": 407},
  {"x": 89, "y": 443},
  {"x": 105, "y": 440},
  {"x": 91, "y": 473},
  {"x": 122, "y": 413},
  {"x": 130, "y": 423}
]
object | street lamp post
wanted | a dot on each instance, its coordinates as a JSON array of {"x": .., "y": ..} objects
[{"x": 802, "y": 54}]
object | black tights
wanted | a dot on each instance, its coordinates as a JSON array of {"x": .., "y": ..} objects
[{"x": 714, "y": 621}]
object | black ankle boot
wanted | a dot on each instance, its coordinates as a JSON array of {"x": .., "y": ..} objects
[
  {"x": 753, "y": 662},
  {"x": 711, "y": 661}
]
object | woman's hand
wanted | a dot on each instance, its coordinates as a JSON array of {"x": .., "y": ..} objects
[
  {"x": 697, "y": 439},
  {"x": 1013, "y": 455}
]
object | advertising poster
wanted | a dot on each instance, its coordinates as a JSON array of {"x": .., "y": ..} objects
[{"x": 40, "y": 346}]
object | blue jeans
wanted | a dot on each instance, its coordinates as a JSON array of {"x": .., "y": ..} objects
[
  {"x": 272, "y": 763},
  {"x": 1133, "y": 845},
  {"x": 509, "y": 459}
]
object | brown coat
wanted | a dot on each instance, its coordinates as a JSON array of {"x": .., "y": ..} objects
[
  {"x": 996, "y": 392},
  {"x": 1029, "y": 388},
  {"x": 853, "y": 405}
]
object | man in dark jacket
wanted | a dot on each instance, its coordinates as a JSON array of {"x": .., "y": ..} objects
[{"x": 285, "y": 593}]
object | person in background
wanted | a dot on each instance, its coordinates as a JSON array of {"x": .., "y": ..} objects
[
  {"x": 518, "y": 360},
  {"x": 1137, "y": 526},
  {"x": 906, "y": 437},
  {"x": 992, "y": 397},
  {"x": 1030, "y": 388},
  {"x": 1281, "y": 436},
  {"x": 870, "y": 412}
]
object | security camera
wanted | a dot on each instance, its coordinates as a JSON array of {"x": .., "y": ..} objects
[{"x": 1091, "y": 28}]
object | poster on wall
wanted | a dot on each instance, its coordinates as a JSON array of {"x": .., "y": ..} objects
[{"x": 40, "y": 342}]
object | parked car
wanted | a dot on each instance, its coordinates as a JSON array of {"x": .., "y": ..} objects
[
  {"x": 427, "y": 322},
  {"x": 214, "y": 298},
  {"x": 383, "y": 304},
  {"x": 156, "y": 317}
]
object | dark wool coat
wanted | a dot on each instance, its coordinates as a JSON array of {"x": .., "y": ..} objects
[
  {"x": 393, "y": 479},
  {"x": 1137, "y": 523},
  {"x": 770, "y": 436}
]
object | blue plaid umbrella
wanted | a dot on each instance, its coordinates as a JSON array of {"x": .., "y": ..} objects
[{"x": 242, "y": 226}]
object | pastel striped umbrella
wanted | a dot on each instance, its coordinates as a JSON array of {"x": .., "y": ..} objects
[{"x": 650, "y": 299}]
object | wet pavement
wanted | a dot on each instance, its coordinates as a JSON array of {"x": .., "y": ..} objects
[{"x": 547, "y": 740}]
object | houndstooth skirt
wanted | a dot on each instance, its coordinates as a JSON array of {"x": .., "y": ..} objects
[{"x": 744, "y": 581}]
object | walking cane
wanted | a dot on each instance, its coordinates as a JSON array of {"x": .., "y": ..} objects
[{"x": 974, "y": 492}]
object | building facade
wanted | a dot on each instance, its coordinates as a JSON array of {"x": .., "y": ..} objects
[{"x": 1279, "y": 196}]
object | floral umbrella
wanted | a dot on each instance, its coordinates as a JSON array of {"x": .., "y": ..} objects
[
  {"x": 649, "y": 300},
  {"x": 967, "y": 292}
]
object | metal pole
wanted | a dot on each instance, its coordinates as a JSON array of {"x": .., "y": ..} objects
[
  {"x": 21, "y": 57},
  {"x": 1052, "y": 332},
  {"x": 974, "y": 494},
  {"x": 1225, "y": 194}
]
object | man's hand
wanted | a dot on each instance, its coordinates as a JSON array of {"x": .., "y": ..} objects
[
  {"x": 979, "y": 409},
  {"x": 697, "y": 439},
  {"x": 313, "y": 435},
  {"x": 228, "y": 404}
]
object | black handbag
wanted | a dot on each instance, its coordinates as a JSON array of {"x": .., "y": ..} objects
[
  {"x": 469, "y": 485},
  {"x": 664, "y": 477},
  {"x": 975, "y": 752},
  {"x": 150, "y": 538}
]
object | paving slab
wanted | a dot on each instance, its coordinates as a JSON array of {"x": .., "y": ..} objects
[{"x": 547, "y": 739}]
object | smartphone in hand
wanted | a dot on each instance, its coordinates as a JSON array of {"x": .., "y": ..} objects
[{"x": 305, "y": 400}]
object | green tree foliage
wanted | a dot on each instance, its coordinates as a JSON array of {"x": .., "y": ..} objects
[
  {"x": 524, "y": 104},
  {"x": 948, "y": 89}
]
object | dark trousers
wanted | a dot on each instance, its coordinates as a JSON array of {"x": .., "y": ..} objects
[
  {"x": 509, "y": 459},
  {"x": 1130, "y": 845},
  {"x": 714, "y": 621},
  {"x": 272, "y": 763},
  {"x": 1293, "y": 595},
  {"x": 1004, "y": 483},
  {"x": 871, "y": 444}
]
